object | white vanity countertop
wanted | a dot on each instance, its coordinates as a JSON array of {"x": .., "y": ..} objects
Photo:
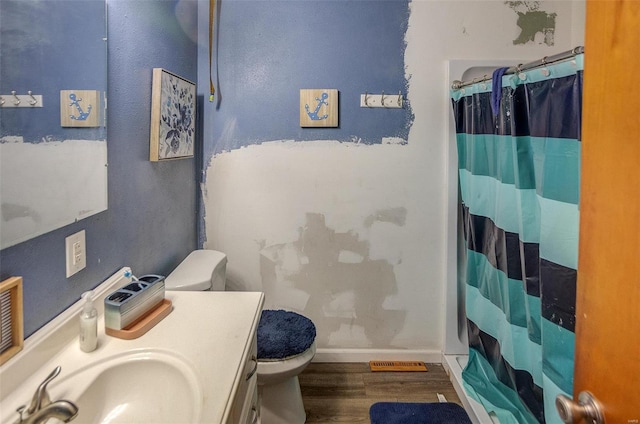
[
  {"x": 212, "y": 330},
  {"x": 209, "y": 330}
]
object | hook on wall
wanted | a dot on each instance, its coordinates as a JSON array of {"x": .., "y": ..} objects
[
  {"x": 33, "y": 100},
  {"x": 16, "y": 100}
]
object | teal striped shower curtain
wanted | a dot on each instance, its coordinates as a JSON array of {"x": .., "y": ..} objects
[{"x": 519, "y": 175}]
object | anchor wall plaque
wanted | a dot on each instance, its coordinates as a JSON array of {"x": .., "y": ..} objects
[
  {"x": 79, "y": 108},
  {"x": 319, "y": 108}
]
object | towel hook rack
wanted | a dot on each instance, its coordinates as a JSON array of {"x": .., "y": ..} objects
[
  {"x": 13, "y": 99},
  {"x": 387, "y": 101}
]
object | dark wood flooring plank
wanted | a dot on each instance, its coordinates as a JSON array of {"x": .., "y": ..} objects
[
  {"x": 332, "y": 384},
  {"x": 337, "y": 410}
]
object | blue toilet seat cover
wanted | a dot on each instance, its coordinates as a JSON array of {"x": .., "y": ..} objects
[{"x": 283, "y": 334}]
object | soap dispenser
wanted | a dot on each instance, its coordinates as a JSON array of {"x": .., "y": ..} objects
[{"x": 88, "y": 323}]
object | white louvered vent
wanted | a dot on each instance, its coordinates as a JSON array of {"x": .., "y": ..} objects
[{"x": 6, "y": 335}]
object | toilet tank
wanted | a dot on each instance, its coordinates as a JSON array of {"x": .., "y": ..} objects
[{"x": 201, "y": 270}]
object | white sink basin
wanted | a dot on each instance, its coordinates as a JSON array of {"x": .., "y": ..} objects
[{"x": 147, "y": 386}]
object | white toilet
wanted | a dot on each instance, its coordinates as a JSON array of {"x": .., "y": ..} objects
[{"x": 278, "y": 386}]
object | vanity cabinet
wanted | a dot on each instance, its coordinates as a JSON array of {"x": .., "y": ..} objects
[
  {"x": 246, "y": 407},
  {"x": 197, "y": 365}
]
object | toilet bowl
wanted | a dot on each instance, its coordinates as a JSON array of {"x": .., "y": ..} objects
[
  {"x": 281, "y": 355},
  {"x": 286, "y": 345}
]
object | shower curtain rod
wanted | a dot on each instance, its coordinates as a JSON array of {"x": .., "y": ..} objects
[{"x": 456, "y": 85}]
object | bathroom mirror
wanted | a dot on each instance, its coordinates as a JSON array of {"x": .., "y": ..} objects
[{"x": 53, "y": 136}]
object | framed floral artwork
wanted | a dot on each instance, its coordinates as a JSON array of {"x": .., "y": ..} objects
[{"x": 173, "y": 110}]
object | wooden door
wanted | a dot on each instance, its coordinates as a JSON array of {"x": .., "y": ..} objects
[{"x": 608, "y": 296}]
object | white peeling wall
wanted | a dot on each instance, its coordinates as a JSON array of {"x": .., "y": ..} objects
[
  {"x": 353, "y": 235},
  {"x": 333, "y": 230}
]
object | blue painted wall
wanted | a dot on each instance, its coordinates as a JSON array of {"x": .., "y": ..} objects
[
  {"x": 268, "y": 50},
  {"x": 151, "y": 220}
]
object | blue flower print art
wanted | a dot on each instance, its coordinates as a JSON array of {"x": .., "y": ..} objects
[{"x": 173, "y": 115}]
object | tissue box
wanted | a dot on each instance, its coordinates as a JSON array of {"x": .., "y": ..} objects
[{"x": 127, "y": 305}]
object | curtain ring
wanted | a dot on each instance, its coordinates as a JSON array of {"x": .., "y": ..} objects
[
  {"x": 382, "y": 100},
  {"x": 544, "y": 71},
  {"x": 366, "y": 99},
  {"x": 483, "y": 80}
]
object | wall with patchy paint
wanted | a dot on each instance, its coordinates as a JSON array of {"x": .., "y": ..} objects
[
  {"x": 268, "y": 50},
  {"x": 351, "y": 234},
  {"x": 151, "y": 223}
]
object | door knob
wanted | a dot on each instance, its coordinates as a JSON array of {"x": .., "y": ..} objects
[{"x": 588, "y": 409}]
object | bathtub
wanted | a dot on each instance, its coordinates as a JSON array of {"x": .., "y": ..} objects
[{"x": 453, "y": 365}]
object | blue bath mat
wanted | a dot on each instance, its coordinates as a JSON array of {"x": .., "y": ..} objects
[{"x": 417, "y": 413}]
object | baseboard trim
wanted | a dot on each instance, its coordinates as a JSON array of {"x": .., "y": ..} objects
[{"x": 366, "y": 355}]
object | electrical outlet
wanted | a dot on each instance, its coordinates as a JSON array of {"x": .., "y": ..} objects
[{"x": 75, "y": 252}]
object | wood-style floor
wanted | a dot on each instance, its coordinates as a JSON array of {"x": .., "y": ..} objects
[{"x": 343, "y": 393}]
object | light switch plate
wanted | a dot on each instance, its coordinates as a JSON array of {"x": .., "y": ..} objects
[{"x": 75, "y": 253}]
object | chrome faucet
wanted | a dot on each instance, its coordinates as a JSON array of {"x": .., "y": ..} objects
[{"x": 41, "y": 408}]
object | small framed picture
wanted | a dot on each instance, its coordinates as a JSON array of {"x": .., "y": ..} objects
[
  {"x": 173, "y": 116},
  {"x": 80, "y": 108},
  {"x": 319, "y": 108}
]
